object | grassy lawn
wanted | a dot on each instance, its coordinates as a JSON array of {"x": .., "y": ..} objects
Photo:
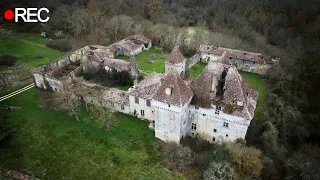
[
  {"x": 256, "y": 81},
  {"x": 157, "y": 66},
  {"x": 26, "y": 47},
  {"x": 53, "y": 145},
  {"x": 197, "y": 69}
]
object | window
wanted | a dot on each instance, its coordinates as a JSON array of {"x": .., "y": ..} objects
[
  {"x": 196, "y": 107},
  {"x": 217, "y": 111},
  {"x": 122, "y": 107},
  {"x": 193, "y": 126},
  {"x": 254, "y": 62},
  {"x": 203, "y": 115},
  {"x": 225, "y": 124},
  {"x": 168, "y": 105},
  {"x": 213, "y": 139},
  {"x": 226, "y": 135},
  {"x": 148, "y": 103},
  {"x": 215, "y": 130},
  {"x": 142, "y": 112},
  {"x": 136, "y": 100}
]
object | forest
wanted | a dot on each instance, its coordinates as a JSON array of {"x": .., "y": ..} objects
[{"x": 287, "y": 133}]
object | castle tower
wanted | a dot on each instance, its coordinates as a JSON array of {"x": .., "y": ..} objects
[
  {"x": 134, "y": 67},
  {"x": 170, "y": 106},
  {"x": 176, "y": 61}
]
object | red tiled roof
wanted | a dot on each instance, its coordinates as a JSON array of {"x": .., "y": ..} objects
[
  {"x": 175, "y": 56},
  {"x": 180, "y": 92}
]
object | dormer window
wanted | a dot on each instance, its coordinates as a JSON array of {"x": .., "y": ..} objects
[{"x": 168, "y": 91}]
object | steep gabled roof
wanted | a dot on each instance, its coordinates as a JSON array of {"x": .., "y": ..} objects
[
  {"x": 176, "y": 56},
  {"x": 224, "y": 59},
  {"x": 238, "y": 89},
  {"x": 180, "y": 92},
  {"x": 202, "y": 86},
  {"x": 148, "y": 87}
]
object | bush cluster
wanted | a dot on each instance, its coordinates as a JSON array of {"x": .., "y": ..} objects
[{"x": 59, "y": 44}]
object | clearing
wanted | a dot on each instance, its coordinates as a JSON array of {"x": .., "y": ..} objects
[
  {"x": 29, "y": 48},
  {"x": 142, "y": 59},
  {"x": 53, "y": 145},
  {"x": 257, "y": 83}
]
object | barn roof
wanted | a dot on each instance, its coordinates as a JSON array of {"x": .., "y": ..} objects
[
  {"x": 138, "y": 38},
  {"x": 180, "y": 93},
  {"x": 234, "y": 53}
]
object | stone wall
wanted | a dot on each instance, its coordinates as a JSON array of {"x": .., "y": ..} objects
[{"x": 211, "y": 125}]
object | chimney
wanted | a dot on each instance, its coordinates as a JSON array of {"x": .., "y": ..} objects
[{"x": 168, "y": 91}]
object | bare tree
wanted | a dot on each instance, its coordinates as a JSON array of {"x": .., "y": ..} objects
[
  {"x": 103, "y": 116},
  {"x": 67, "y": 98},
  {"x": 11, "y": 76},
  {"x": 220, "y": 171}
]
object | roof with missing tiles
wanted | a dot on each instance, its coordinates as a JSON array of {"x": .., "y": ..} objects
[
  {"x": 117, "y": 64},
  {"x": 179, "y": 92},
  {"x": 237, "y": 90},
  {"x": 117, "y": 96},
  {"x": 202, "y": 86},
  {"x": 148, "y": 87},
  {"x": 175, "y": 56},
  {"x": 139, "y": 37},
  {"x": 234, "y": 53}
]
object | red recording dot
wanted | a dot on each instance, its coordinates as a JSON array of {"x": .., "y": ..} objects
[{"x": 8, "y": 14}]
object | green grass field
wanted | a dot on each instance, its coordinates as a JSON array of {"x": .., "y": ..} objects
[
  {"x": 256, "y": 82},
  {"x": 26, "y": 46},
  {"x": 197, "y": 69},
  {"x": 53, "y": 145},
  {"x": 157, "y": 66}
]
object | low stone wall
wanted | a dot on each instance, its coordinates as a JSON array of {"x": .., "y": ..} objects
[{"x": 193, "y": 60}]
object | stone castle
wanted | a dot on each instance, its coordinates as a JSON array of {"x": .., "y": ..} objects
[{"x": 219, "y": 105}]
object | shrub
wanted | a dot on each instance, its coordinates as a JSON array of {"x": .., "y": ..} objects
[
  {"x": 7, "y": 60},
  {"x": 59, "y": 44},
  {"x": 38, "y": 56}
]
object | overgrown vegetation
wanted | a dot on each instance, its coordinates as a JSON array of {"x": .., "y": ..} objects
[
  {"x": 59, "y": 44},
  {"x": 51, "y": 144},
  {"x": 108, "y": 78},
  {"x": 7, "y": 60},
  {"x": 151, "y": 60},
  {"x": 283, "y": 125}
]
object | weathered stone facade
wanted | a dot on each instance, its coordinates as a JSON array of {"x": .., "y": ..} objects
[
  {"x": 217, "y": 106},
  {"x": 242, "y": 60}
]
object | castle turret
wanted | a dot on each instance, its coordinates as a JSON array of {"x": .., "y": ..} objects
[{"x": 176, "y": 61}]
